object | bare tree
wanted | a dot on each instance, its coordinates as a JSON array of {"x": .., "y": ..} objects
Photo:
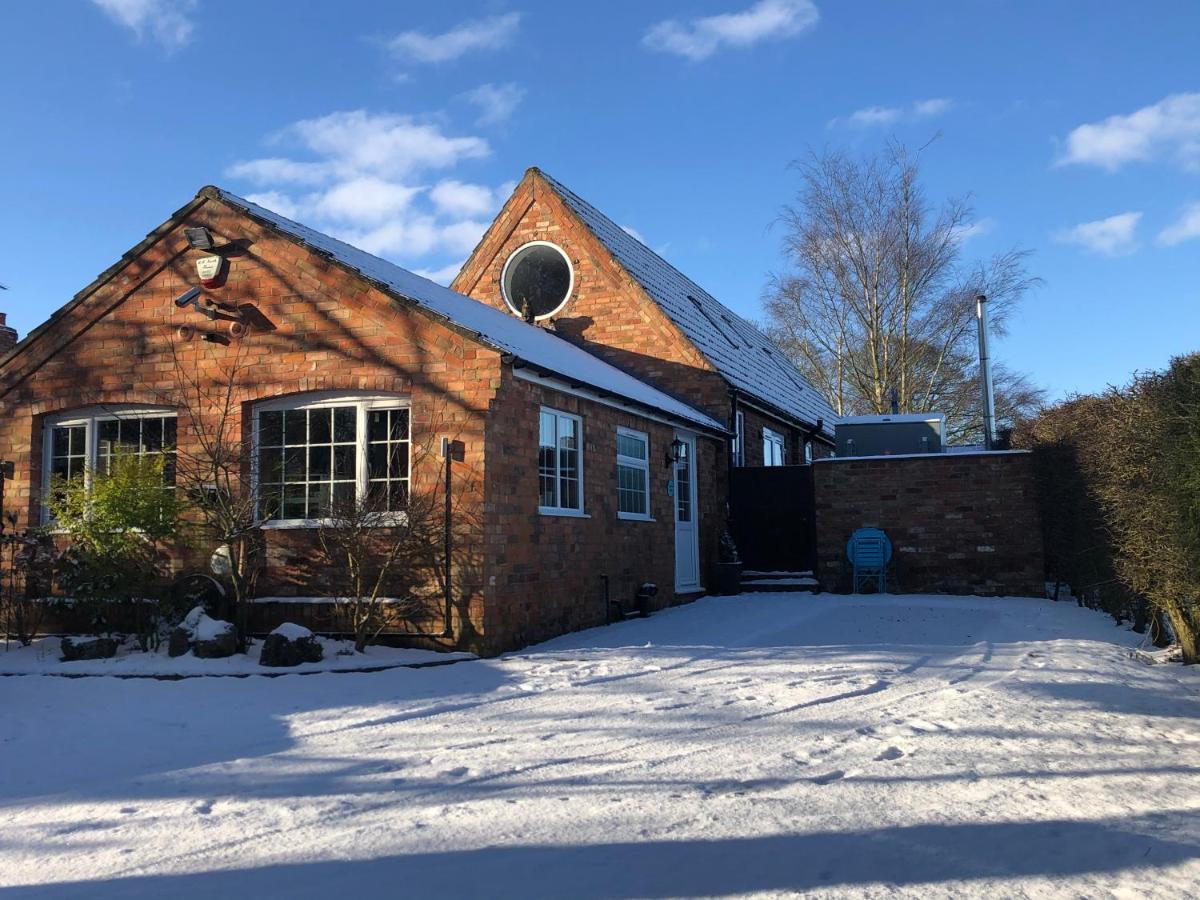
[
  {"x": 213, "y": 464},
  {"x": 880, "y": 299},
  {"x": 385, "y": 551}
]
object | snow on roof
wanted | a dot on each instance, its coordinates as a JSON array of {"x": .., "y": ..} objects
[
  {"x": 500, "y": 330},
  {"x": 742, "y": 354},
  {"x": 896, "y": 417}
]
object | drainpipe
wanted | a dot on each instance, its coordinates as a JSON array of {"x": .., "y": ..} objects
[{"x": 985, "y": 374}]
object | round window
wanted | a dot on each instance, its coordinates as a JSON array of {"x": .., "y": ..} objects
[{"x": 537, "y": 278}]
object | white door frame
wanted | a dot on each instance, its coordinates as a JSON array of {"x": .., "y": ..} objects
[{"x": 686, "y": 582}]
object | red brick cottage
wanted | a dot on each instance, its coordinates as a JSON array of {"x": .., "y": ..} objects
[{"x": 595, "y": 436}]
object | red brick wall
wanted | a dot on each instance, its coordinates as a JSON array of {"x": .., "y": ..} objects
[
  {"x": 959, "y": 523},
  {"x": 608, "y": 312},
  {"x": 544, "y": 573},
  {"x": 330, "y": 331}
]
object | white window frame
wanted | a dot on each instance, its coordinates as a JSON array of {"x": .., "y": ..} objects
[
  {"x": 771, "y": 439},
  {"x": 739, "y": 439},
  {"x": 364, "y": 403},
  {"x": 560, "y": 510},
  {"x": 632, "y": 462},
  {"x": 808, "y": 453},
  {"x": 515, "y": 256},
  {"x": 90, "y": 417}
]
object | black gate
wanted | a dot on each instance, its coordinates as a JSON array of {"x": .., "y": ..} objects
[{"x": 773, "y": 519}]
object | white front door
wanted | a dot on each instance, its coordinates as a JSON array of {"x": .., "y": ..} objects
[{"x": 687, "y": 549}]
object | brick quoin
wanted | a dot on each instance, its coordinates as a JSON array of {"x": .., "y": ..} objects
[{"x": 520, "y": 576}]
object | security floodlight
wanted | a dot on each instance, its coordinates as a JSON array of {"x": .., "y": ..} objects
[{"x": 199, "y": 238}]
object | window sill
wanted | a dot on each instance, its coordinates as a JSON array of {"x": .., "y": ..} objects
[
  {"x": 563, "y": 513},
  {"x": 635, "y": 517},
  {"x": 382, "y": 520}
]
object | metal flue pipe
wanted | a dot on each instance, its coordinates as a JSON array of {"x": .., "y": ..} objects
[{"x": 985, "y": 374}]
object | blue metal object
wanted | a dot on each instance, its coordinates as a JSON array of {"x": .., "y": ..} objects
[{"x": 869, "y": 551}]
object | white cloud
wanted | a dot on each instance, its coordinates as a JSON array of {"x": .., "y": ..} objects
[
  {"x": 475, "y": 34},
  {"x": 964, "y": 233},
  {"x": 496, "y": 102},
  {"x": 698, "y": 39},
  {"x": 358, "y": 176},
  {"x": 633, "y": 233},
  {"x": 1185, "y": 228},
  {"x": 1114, "y": 236},
  {"x": 444, "y": 275},
  {"x": 457, "y": 198},
  {"x": 165, "y": 21},
  {"x": 934, "y": 106},
  {"x": 883, "y": 116},
  {"x": 1167, "y": 129},
  {"x": 384, "y": 144}
]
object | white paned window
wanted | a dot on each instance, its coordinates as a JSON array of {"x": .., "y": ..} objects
[
  {"x": 560, "y": 463},
  {"x": 633, "y": 474},
  {"x": 311, "y": 458},
  {"x": 772, "y": 448},
  {"x": 78, "y": 444}
]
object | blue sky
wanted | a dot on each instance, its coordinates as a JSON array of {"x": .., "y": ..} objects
[{"x": 400, "y": 126}]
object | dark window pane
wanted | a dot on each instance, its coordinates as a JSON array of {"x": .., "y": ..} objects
[
  {"x": 377, "y": 496},
  {"x": 152, "y": 435},
  {"x": 377, "y": 460},
  {"x": 377, "y": 425},
  {"x": 268, "y": 504},
  {"x": 294, "y": 463},
  {"x": 61, "y": 441},
  {"x": 170, "y": 427},
  {"x": 319, "y": 462},
  {"x": 319, "y": 426},
  {"x": 295, "y": 427},
  {"x": 345, "y": 424},
  {"x": 318, "y": 500},
  {"x": 398, "y": 461},
  {"x": 108, "y": 433},
  {"x": 131, "y": 435},
  {"x": 397, "y": 495},
  {"x": 399, "y": 424},
  {"x": 343, "y": 496},
  {"x": 169, "y": 470},
  {"x": 343, "y": 462},
  {"x": 270, "y": 429},
  {"x": 295, "y": 501},
  {"x": 270, "y": 465}
]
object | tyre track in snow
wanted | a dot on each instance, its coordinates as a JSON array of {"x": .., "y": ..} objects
[{"x": 297, "y": 831}]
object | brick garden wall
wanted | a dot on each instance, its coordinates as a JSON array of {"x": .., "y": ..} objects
[{"x": 959, "y": 523}]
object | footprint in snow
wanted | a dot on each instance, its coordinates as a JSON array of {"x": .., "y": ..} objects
[
  {"x": 456, "y": 772},
  {"x": 128, "y": 810},
  {"x": 889, "y": 754},
  {"x": 204, "y": 808},
  {"x": 828, "y": 777}
]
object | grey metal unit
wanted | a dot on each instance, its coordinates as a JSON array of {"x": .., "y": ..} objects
[{"x": 891, "y": 435}]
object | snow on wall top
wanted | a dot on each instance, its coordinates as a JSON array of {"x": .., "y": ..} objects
[
  {"x": 742, "y": 354},
  {"x": 499, "y": 330}
]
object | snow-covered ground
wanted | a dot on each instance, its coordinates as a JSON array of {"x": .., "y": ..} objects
[{"x": 765, "y": 744}]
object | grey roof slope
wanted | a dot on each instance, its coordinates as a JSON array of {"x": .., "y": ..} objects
[
  {"x": 500, "y": 330},
  {"x": 742, "y": 354}
]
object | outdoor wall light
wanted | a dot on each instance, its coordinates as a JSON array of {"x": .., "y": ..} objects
[
  {"x": 199, "y": 238},
  {"x": 678, "y": 452}
]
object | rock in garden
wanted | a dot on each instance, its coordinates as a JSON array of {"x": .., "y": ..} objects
[
  {"x": 290, "y": 645},
  {"x": 210, "y": 638},
  {"x": 74, "y": 650},
  {"x": 179, "y": 642}
]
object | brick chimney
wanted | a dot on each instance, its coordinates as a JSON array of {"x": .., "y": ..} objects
[{"x": 8, "y": 336}]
